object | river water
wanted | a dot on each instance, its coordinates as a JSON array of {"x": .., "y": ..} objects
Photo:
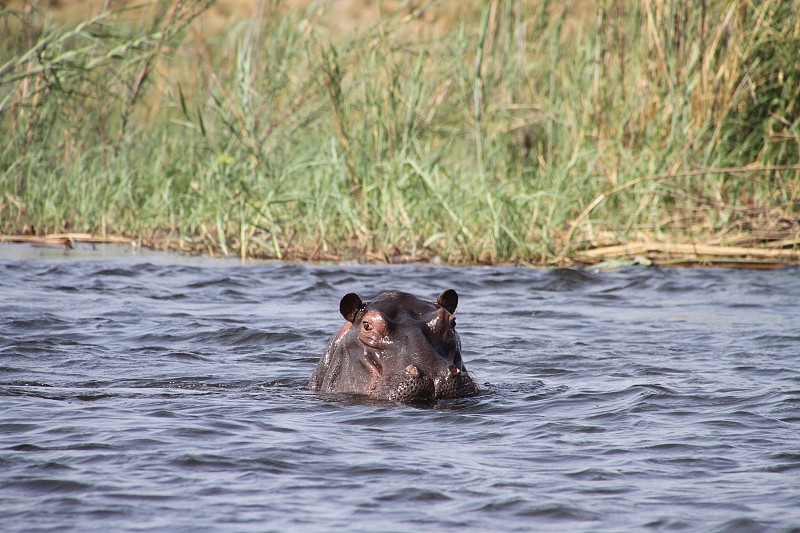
[{"x": 159, "y": 393}]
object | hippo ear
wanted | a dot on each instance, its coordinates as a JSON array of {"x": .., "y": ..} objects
[
  {"x": 448, "y": 299},
  {"x": 350, "y": 305}
]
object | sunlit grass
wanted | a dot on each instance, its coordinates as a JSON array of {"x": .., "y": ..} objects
[{"x": 518, "y": 135}]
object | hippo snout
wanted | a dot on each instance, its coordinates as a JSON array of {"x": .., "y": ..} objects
[
  {"x": 455, "y": 384},
  {"x": 417, "y": 386},
  {"x": 413, "y": 386}
]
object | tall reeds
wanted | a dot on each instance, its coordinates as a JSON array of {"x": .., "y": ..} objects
[{"x": 524, "y": 132}]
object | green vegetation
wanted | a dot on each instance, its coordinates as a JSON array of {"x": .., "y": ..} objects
[{"x": 522, "y": 133}]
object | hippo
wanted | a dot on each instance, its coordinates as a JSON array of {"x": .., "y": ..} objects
[{"x": 396, "y": 347}]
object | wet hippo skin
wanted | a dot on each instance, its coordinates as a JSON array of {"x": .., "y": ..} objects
[{"x": 396, "y": 347}]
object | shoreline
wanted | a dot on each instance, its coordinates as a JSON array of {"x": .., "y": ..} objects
[{"x": 773, "y": 254}]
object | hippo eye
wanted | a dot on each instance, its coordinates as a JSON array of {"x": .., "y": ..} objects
[{"x": 367, "y": 325}]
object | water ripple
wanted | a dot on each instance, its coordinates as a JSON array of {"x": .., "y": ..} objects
[{"x": 145, "y": 394}]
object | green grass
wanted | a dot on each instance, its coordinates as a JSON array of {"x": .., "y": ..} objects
[{"x": 520, "y": 135}]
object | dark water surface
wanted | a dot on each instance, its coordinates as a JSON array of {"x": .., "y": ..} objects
[{"x": 160, "y": 393}]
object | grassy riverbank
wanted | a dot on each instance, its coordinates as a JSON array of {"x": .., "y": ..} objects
[{"x": 510, "y": 131}]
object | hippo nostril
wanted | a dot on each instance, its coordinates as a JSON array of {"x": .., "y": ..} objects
[
  {"x": 412, "y": 370},
  {"x": 453, "y": 370}
]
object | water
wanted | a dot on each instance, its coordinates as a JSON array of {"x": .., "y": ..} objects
[{"x": 158, "y": 393}]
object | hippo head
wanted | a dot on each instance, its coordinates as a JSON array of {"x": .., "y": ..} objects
[{"x": 396, "y": 347}]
